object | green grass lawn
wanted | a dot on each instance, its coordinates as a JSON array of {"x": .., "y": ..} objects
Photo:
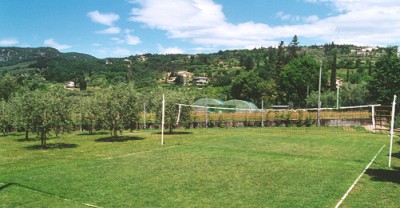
[{"x": 236, "y": 167}]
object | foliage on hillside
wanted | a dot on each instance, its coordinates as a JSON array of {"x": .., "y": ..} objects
[{"x": 283, "y": 75}]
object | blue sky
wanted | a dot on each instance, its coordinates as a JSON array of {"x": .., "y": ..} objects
[{"x": 119, "y": 28}]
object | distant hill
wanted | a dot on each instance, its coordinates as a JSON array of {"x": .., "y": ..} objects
[
  {"x": 13, "y": 55},
  {"x": 78, "y": 56}
]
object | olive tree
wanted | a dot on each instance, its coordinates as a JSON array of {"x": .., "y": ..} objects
[
  {"x": 5, "y": 117},
  {"x": 23, "y": 110},
  {"x": 118, "y": 106},
  {"x": 172, "y": 99},
  {"x": 51, "y": 110}
]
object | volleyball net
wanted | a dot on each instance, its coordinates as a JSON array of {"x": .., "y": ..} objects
[{"x": 225, "y": 116}]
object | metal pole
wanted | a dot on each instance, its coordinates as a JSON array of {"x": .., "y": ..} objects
[
  {"x": 179, "y": 114},
  {"x": 80, "y": 113},
  {"x": 262, "y": 113},
  {"x": 144, "y": 115},
  {"x": 162, "y": 120},
  {"x": 337, "y": 96},
  {"x": 206, "y": 112},
  {"x": 373, "y": 118},
  {"x": 392, "y": 130},
  {"x": 319, "y": 96}
]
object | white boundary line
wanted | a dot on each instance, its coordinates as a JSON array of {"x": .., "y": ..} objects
[
  {"x": 54, "y": 196},
  {"x": 356, "y": 181}
]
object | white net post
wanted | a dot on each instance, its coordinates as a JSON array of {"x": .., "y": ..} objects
[
  {"x": 392, "y": 130},
  {"x": 373, "y": 118},
  {"x": 144, "y": 115},
  {"x": 179, "y": 114},
  {"x": 319, "y": 96},
  {"x": 162, "y": 120},
  {"x": 262, "y": 113},
  {"x": 206, "y": 112}
]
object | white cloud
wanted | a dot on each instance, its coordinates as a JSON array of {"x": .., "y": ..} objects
[
  {"x": 132, "y": 40},
  {"x": 52, "y": 43},
  {"x": 310, "y": 19},
  {"x": 366, "y": 22},
  {"x": 304, "y": 19},
  {"x": 170, "y": 50},
  {"x": 128, "y": 39},
  {"x": 110, "y": 30},
  {"x": 8, "y": 42},
  {"x": 283, "y": 16},
  {"x": 118, "y": 40},
  {"x": 103, "y": 18}
]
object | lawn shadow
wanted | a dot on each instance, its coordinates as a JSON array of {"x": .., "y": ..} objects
[
  {"x": 29, "y": 140},
  {"x": 5, "y": 186},
  {"x": 175, "y": 133},
  {"x": 53, "y": 146},
  {"x": 396, "y": 155},
  {"x": 385, "y": 175},
  {"x": 119, "y": 139},
  {"x": 92, "y": 134}
]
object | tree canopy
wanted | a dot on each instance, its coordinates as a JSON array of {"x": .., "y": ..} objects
[
  {"x": 298, "y": 79},
  {"x": 385, "y": 81}
]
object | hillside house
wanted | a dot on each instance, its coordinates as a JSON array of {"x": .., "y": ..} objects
[
  {"x": 200, "y": 80},
  {"x": 69, "y": 84},
  {"x": 187, "y": 76}
]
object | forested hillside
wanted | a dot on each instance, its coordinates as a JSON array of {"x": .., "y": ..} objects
[{"x": 285, "y": 75}]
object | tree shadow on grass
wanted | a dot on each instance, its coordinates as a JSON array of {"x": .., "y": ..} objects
[
  {"x": 385, "y": 175},
  {"x": 29, "y": 140},
  {"x": 396, "y": 155},
  {"x": 93, "y": 133},
  {"x": 52, "y": 146},
  {"x": 119, "y": 139},
  {"x": 175, "y": 133}
]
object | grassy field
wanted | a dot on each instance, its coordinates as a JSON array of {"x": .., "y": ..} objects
[{"x": 236, "y": 167}]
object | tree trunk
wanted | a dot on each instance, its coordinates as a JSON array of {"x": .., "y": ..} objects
[
  {"x": 115, "y": 132},
  {"x": 170, "y": 129},
  {"x": 43, "y": 139},
  {"x": 26, "y": 134},
  {"x": 57, "y": 131}
]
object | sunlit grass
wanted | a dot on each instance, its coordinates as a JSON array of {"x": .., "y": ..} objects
[{"x": 234, "y": 167}]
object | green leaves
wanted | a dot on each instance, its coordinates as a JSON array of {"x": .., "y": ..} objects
[
  {"x": 249, "y": 86},
  {"x": 172, "y": 99},
  {"x": 386, "y": 80},
  {"x": 118, "y": 106},
  {"x": 298, "y": 78}
]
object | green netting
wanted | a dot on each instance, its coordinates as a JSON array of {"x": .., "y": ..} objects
[
  {"x": 207, "y": 102},
  {"x": 241, "y": 104}
]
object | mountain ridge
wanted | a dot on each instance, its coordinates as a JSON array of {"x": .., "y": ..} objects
[{"x": 14, "y": 55}]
